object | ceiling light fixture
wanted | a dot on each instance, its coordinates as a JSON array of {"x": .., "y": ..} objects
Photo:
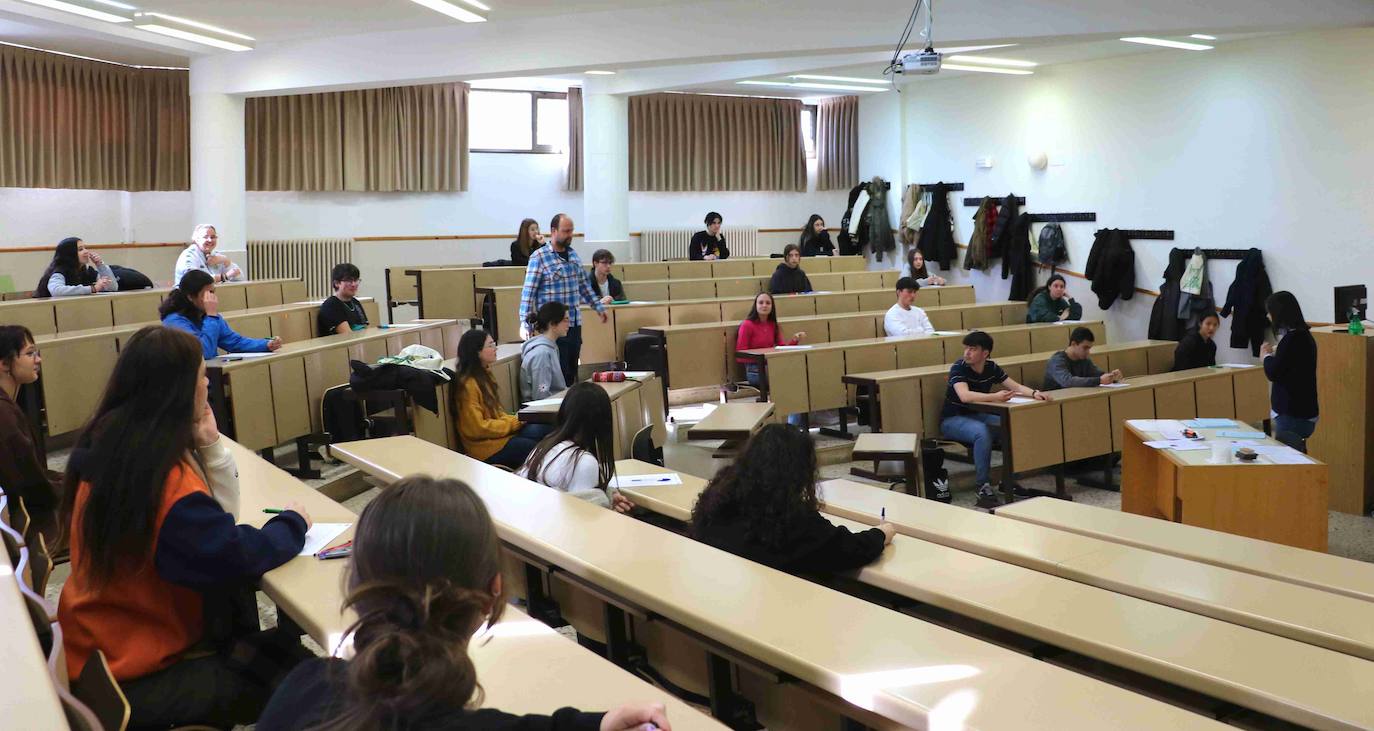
[
  {"x": 993, "y": 61},
  {"x": 1203, "y": 37},
  {"x": 986, "y": 69},
  {"x": 848, "y": 79},
  {"x": 809, "y": 85},
  {"x": 1167, "y": 43},
  {"x": 598, "y": 72},
  {"x": 83, "y": 8},
  {"x": 453, "y": 11},
  {"x": 203, "y": 33}
]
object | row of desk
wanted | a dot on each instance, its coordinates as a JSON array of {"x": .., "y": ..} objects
[
  {"x": 64, "y": 314},
  {"x": 635, "y": 404},
  {"x": 30, "y": 697}
]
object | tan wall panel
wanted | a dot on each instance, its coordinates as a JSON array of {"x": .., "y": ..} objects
[
  {"x": 290, "y": 402},
  {"x": 1132, "y": 404},
  {"x": 255, "y": 422},
  {"x": 83, "y": 313},
  {"x": 924, "y": 352},
  {"x": 1175, "y": 401},
  {"x": 692, "y": 289},
  {"x": 824, "y": 370},
  {"x": 1087, "y": 431}
]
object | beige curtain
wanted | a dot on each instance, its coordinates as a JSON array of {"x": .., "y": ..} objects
[
  {"x": 574, "y": 139},
  {"x": 686, "y": 142},
  {"x": 71, "y": 123},
  {"x": 407, "y": 138},
  {"x": 837, "y": 143}
]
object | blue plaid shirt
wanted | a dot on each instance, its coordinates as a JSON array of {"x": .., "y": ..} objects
[{"x": 549, "y": 278}]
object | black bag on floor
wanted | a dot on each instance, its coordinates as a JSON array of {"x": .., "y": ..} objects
[
  {"x": 130, "y": 279},
  {"x": 643, "y": 353},
  {"x": 933, "y": 463}
]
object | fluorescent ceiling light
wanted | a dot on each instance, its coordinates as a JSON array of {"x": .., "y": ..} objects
[
  {"x": 849, "y": 79},
  {"x": 72, "y": 7},
  {"x": 452, "y": 11},
  {"x": 807, "y": 85},
  {"x": 1167, "y": 44},
  {"x": 478, "y": 5},
  {"x": 1203, "y": 37},
  {"x": 197, "y": 24},
  {"x": 113, "y": 4},
  {"x": 187, "y": 35},
  {"x": 986, "y": 69},
  {"x": 993, "y": 61},
  {"x": 598, "y": 72},
  {"x": 204, "y": 33}
]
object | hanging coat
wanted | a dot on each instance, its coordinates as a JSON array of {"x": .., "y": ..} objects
[
  {"x": 1164, "y": 322},
  {"x": 1111, "y": 267},
  {"x": 976, "y": 257},
  {"x": 1246, "y": 298},
  {"x": 1005, "y": 219},
  {"x": 910, "y": 197},
  {"x": 937, "y": 235},
  {"x": 1017, "y": 260},
  {"x": 846, "y": 241},
  {"x": 880, "y": 239}
]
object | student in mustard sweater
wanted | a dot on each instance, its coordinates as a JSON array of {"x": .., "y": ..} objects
[
  {"x": 155, "y": 558},
  {"x": 487, "y": 431}
]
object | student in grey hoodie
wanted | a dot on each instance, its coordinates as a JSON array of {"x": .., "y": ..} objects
[{"x": 541, "y": 376}]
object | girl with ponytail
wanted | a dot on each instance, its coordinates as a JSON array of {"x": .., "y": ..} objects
[
  {"x": 193, "y": 306},
  {"x": 425, "y": 577}
]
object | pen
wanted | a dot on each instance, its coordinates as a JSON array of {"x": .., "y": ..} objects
[
  {"x": 345, "y": 544},
  {"x": 341, "y": 553},
  {"x": 883, "y": 514},
  {"x": 273, "y": 511}
]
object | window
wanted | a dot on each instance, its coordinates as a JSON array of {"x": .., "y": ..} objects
[
  {"x": 808, "y": 129},
  {"x": 517, "y": 121}
]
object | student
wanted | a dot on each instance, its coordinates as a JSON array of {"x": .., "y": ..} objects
[
  {"x": 75, "y": 270},
  {"x": 541, "y": 376},
  {"x": 1073, "y": 368},
  {"x": 201, "y": 255},
  {"x": 977, "y": 379},
  {"x": 604, "y": 285},
  {"x": 709, "y": 245},
  {"x": 815, "y": 240},
  {"x": 916, "y": 269},
  {"x": 488, "y": 433},
  {"x": 342, "y": 312},
  {"x": 1196, "y": 349},
  {"x": 760, "y": 329},
  {"x": 555, "y": 274},
  {"x": 1051, "y": 303},
  {"x": 905, "y": 318},
  {"x": 425, "y": 576},
  {"x": 526, "y": 241},
  {"x": 578, "y": 456},
  {"x": 23, "y": 473},
  {"x": 153, "y": 554},
  {"x": 194, "y": 307},
  {"x": 789, "y": 278},
  {"x": 1292, "y": 368},
  {"x": 763, "y": 507}
]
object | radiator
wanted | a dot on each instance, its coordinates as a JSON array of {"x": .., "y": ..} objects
[
  {"x": 662, "y": 244},
  {"x": 310, "y": 260}
]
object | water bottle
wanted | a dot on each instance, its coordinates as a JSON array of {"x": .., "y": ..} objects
[{"x": 1356, "y": 324}]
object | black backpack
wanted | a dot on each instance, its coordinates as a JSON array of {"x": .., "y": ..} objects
[{"x": 1052, "y": 249}]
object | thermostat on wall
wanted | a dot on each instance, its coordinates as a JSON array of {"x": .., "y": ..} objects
[{"x": 983, "y": 163}]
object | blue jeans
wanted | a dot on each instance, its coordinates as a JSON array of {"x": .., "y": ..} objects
[
  {"x": 519, "y": 446},
  {"x": 755, "y": 379},
  {"x": 980, "y": 432},
  {"x": 569, "y": 352},
  {"x": 1294, "y": 431}
]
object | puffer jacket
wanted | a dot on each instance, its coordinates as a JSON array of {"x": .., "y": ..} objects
[
  {"x": 1111, "y": 267},
  {"x": 936, "y": 242},
  {"x": 1006, "y": 217}
]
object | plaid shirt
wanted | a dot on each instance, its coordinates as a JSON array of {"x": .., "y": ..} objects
[{"x": 549, "y": 278}]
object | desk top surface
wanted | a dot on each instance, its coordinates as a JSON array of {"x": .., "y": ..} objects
[
  {"x": 1132, "y": 383},
  {"x": 918, "y": 371},
  {"x": 230, "y": 316},
  {"x": 741, "y": 418},
  {"x": 28, "y": 698},
  {"x": 131, "y": 293},
  {"x": 1203, "y": 457},
  {"x": 613, "y": 389},
  {"x": 230, "y": 361}
]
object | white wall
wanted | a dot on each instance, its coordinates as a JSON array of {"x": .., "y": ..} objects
[{"x": 1260, "y": 143}]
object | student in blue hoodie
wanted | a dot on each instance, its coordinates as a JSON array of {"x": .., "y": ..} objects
[
  {"x": 192, "y": 306},
  {"x": 541, "y": 374}
]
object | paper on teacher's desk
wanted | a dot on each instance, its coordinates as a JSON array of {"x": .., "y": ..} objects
[
  {"x": 243, "y": 356},
  {"x": 1233, "y": 434},
  {"x": 1282, "y": 454},
  {"x": 666, "y": 478},
  {"x": 1156, "y": 424},
  {"x": 793, "y": 347},
  {"x": 1020, "y": 400},
  {"x": 1209, "y": 423},
  {"x": 544, "y": 402},
  {"x": 320, "y": 536},
  {"x": 1178, "y": 445}
]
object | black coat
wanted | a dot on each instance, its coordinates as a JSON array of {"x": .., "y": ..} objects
[
  {"x": 704, "y": 243},
  {"x": 787, "y": 280},
  {"x": 816, "y": 244},
  {"x": 1017, "y": 260},
  {"x": 936, "y": 242},
  {"x": 1111, "y": 267},
  {"x": 1194, "y": 351},
  {"x": 815, "y": 546},
  {"x": 1293, "y": 371},
  {"x": 1006, "y": 218},
  {"x": 1164, "y": 322},
  {"x": 1246, "y": 297}
]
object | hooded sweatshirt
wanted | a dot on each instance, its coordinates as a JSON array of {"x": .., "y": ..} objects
[
  {"x": 541, "y": 375},
  {"x": 787, "y": 280}
]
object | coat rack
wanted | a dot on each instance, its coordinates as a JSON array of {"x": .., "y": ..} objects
[
  {"x": 930, "y": 187},
  {"x": 1061, "y": 217},
  {"x": 975, "y": 202},
  {"x": 1233, "y": 254},
  {"x": 1148, "y": 233}
]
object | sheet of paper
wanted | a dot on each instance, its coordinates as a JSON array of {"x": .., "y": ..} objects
[
  {"x": 395, "y": 325},
  {"x": 1235, "y": 434},
  {"x": 1209, "y": 423},
  {"x": 231, "y": 357},
  {"x": 946, "y": 332},
  {"x": 544, "y": 402},
  {"x": 1171, "y": 433},
  {"x": 793, "y": 347},
  {"x": 1178, "y": 445},
  {"x": 1235, "y": 365},
  {"x": 637, "y": 375},
  {"x": 1020, "y": 400},
  {"x": 1281, "y": 454},
  {"x": 320, "y": 536},
  {"x": 1121, "y": 384},
  {"x": 1156, "y": 424},
  {"x": 667, "y": 478}
]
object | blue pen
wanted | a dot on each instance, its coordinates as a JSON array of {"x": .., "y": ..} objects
[{"x": 883, "y": 514}]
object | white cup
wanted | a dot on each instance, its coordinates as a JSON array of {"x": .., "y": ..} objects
[{"x": 1221, "y": 453}]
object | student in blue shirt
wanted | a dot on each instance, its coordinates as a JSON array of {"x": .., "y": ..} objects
[{"x": 193, "y": 307}]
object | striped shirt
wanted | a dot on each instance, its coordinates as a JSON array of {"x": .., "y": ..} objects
[
  {"x": 549, "y": 277},
  {"x": 962, "y": 372}
]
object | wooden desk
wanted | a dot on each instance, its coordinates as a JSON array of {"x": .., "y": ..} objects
[
  {"x": 1344, "y": 438},
  {"x": 28, "y": 698},
  {"x": 901, "y": 447},
  {"x": 901, "y": 669},
  {"x": 1283, "y": 503},
  {"x": 732, "y": 422},
  {"x": 635, "y": 404}
]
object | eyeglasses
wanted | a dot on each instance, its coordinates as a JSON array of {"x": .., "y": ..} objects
[{"x": 349, "y": 281}]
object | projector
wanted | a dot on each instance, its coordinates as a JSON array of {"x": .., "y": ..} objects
[{"x": 924, "y": 62}]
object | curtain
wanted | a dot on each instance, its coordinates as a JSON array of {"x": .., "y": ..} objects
[
  {"x": 837, "y": 143},
  {"x": 72, "y": 123},
  {"x": 687, "y": 142},
  {"x": 407, "y": 138},
  {"x": 574, "y": 139}
]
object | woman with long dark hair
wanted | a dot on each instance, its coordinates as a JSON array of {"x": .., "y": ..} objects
[
  {"x": 578, "y": 456},
  {"x": 193, "y": 307},
  {"x": 1292, "y": 367},
  {"x": 425, "y": 577},
  {"x": 763, "y": 507},
  {"x": 1052, "y": 303},
  {"x": 23, "y": 473},
  {"x": 916, "y": 269},
  {"x": 527, "y": 239},
  {"x": 760, "y": 329},
  {"x": 75, "y": 270},
  {"x": 149, "y": 542},
  {"x": 815, "y": 240},
  {"x": 1196, "y": 349},
  {"x": 488, "y": 433}
]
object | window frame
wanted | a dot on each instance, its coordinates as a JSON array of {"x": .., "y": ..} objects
[
  {"x": 815, "y": 119},
  {"x": 535, "y": 148}
]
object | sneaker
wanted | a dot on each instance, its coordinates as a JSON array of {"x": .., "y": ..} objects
[
  {"x": 987, "y": 498},
  {"x": 941, "y": 493}
]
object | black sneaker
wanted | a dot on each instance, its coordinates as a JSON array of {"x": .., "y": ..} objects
[
  {"x": 987, "y": 499},
  {"x": 940, "y": 492}
]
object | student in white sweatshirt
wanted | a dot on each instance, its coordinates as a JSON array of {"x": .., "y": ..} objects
[
  {"x": 578, "y": 456},
  {"x": 904, "y": 318}
]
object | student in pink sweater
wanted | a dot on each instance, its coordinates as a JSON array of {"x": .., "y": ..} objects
[{"x": 761, "y": 330}]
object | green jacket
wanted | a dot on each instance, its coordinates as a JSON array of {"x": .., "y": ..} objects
[{"x": 1046, "y": 309}]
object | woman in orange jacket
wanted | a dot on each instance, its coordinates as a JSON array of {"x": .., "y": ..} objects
[{"x": 487, "y": 432}]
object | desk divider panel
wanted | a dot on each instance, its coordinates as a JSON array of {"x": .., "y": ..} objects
[
  {"x": 498, "y": 277},
  {"x": 902, "y": 409},
  {"x": 819, "y": 264},
  {"x": 859, "y": 327},
  {"x": 232, "y": 298},
  {"x": 293, "y": 290},
  {"x": 691, "y": 289},
  {"x": 83, "y": 367},
  {"x": 1215, "y": 397},
  {"x": 691, "y": 269},
  {"x": 1251, "y": 389},
  {"x": 324, "y": 369},
  {"x": 726, "y": 268},
  {"x": 953, "y": 296},
  {"x": 698, "y": 358},
  {"x": 367, "y": 351},
  {"x": 765, "y": 267},
  {"x": 1040, "y": 443},
  {"x": 823, "y": 371},
  {"x": 290, "y": 401},
  {"x": 836, "y": 303},
  {"x": 1010, "y": 342},
  {"x": 877, "y": 300},
  {"x": 1175, "y": 401},
  {"x": 262, "y": 294},
  {"x": 629, "y": 320},
  {"x": 925, "y": 297},
  {"x": 446, "y": 293},
  {"x": 817, "y": 330},
  {"x": 1087, "y": 428},
  {"x": 822, "y": 282},
  {"x": 255, "y": 326},
  {"x": 1129, "y": 362},
  {"x": 946, "y": 319},
  {"x": 914, "y": 353},
  {"x": 37, "y": 315},
  {"x": 692, "y": 314},
  {"x": 649, "y": 290},
  {"x": 369, "y": 306},
  {"x": 846, "y": 263},
  {"x": 933, "y": 391},
  {"x": 864, "y": 280},
  {"x": 83, "y": 313},
  {"x": 639, "y": 271},
  {"x": 136, "y": 307},
  {"x": 977, "y": 318},
  {"x": 1053, "y": 337},
  {"x": 740, "y": 287},
  {"x": 255, "y": 421},
  {"x": 1131, "y": 404},
  {"x": 1032, "y": 373},
  {"x": 876, "y": 357},
  {"x": 598, "y": 338},
  {"x": 735, "y": 311}
]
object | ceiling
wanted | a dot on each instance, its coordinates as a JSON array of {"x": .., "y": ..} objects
[{"x": 50, "y": 36}]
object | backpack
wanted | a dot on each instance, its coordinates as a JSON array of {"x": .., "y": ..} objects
[{"x": 1052, "y": 249}]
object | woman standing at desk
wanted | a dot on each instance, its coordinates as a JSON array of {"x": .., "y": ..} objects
[
  {"x": 488, "y": 433},
  {"x": 709, "y": 245},
  {"x": 425, "y": 577},
  {"x": 1052, "y": 303},
  {"x": 1292, "y": 368},
  {"x": 578, "y": 457},
  {"x": 23, "y": 473},
  {"x": 1196, "y": 349},
  {"x": 763, "y": 507},
  {"x": 75, "y": 270},
  {"x": 194, "y": 307}
]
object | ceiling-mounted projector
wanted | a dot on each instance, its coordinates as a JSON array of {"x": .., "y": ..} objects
[{"x": 922, "y": 62}]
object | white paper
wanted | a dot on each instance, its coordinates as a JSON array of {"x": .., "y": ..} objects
[
  {"x": 793, "y": 347},
  {"x": 395, "y": 325},
  {"x": 1156, "y": 424},
  {"x": 1178, "y": 445},
  {"x": 243, "y": 356},
  {"x": 1119, "y": 384},
  {"x": 637, "y": 375},
  {"x": 667, "y": 478},
  {"x": 1020, "y": 400},
  {"x": 320, "y": 536},
  {"x": 946, "y": 332},
  {"x": 1282, "y": 454},
  {"x": 1171, "y": 434},
  {"x": 1235, "y": 365},
  {"x": 544, "y": 402}
]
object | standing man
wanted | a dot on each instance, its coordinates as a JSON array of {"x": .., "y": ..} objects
[
  {"x": 201, "y": 255},
  {"x": 555, "y": 274}
]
